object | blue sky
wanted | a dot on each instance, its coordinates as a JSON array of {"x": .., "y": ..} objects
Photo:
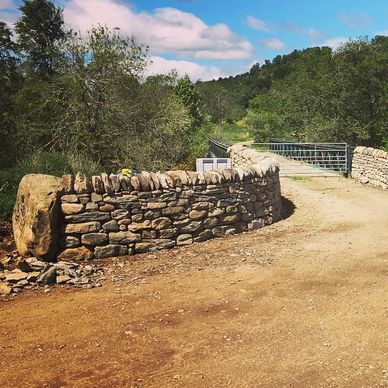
[{"x": 212, "y": 38}]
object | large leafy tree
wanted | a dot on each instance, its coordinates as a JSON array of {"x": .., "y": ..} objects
[
  {"x": 40, "y": 31},
  {"x": 9, "y": 81}
]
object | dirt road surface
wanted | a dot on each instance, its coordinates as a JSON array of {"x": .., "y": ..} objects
[{"x": 301, "y": 303}]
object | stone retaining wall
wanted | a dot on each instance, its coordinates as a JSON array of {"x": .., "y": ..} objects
[
  {"x": 370, "y": 165},
  {"x": 118, "y": 215}
]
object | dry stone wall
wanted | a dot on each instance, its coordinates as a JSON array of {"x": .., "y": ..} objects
[
  {"x": 370, "y": 165},
  {"x": 118, "y": 215}
]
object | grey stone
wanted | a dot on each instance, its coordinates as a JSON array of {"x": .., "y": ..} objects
[
  {"x": 90, "y": 216},
  {"x": 192, "y": 227},
  {"x": 216, "y": 212},
  {"x": 115, "y": 183},
  {"x": 204, "y": 236},
  {"x": 24, "y": 266},
  {"x": 256, "y": 224},
  {"x": 172, "y": 210},
  {"x": 91, "y": 206},
  {"x": 210, "y": 222},
  {"x": 98, "y": 186},
  {"x": 230, "y": 219},
  {"x": 94, "y": 238},
  {"x": 184, "y": 239},
  {"x": 161, "y": 223},
  {"x": 111, "y": 226},
  {"x": 119, "y": 214},
  {"x": 48, "y": 277},
  {"x": 110, "y": 251},
  {"x": 124, "y": 237},
  {"x": 70, "y": 241},
  {"x": 137, "y": 217},
  {"x": 168, "y": 233}
]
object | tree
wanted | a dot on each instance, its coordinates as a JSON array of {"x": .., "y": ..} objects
[
  {"x": 40, "y": 31},
  {"x": 9, "y": 81},
  {"x": 186, "y": 92}
]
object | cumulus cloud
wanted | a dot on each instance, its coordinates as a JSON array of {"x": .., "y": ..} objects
[
  {"x": 355, "y": 20},
  {"x": 8, "y": 12},
  {"x": 165, "y": 30},
  {"x": 160, "y": 65},
  {"x": 312, "y": 34},
  {"x": 257, "y": 24},
  {"x": 6, "y": 4},
  {"x": 273, "y": 44},
  {"x": 335, "y": 43}
]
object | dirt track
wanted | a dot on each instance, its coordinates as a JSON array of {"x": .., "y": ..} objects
[{"x": 301, "y": 303}]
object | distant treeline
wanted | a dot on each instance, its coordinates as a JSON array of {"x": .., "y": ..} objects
[{"x": 316, "y": 94}]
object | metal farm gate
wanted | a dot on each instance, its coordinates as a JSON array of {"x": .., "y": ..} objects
[
  {"x": 328, "y": 156},
  {"x": 318, "y": 157}
]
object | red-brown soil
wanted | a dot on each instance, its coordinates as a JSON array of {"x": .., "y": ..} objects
[{"x": 301, "y": 303}]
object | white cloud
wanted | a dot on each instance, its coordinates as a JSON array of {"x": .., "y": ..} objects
[
  {"x": 195, "y": 71},
  {"x": 6, "y": 4},
  {"x": 335, "y": 43},
  {"x": 165, "y": 30},
  {"x": 273, "y": 44},
  {"x": 382, "y": 33},
  {"x": 355, "y": 20},
  {"x": 312, "y": 34},
  {"x": 257, "y": 24},
  {"x": 8, "y": 12}
]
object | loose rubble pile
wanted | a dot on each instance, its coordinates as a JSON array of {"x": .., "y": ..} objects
[
  {"x": 370, "y": 165},
  {"x": 17, "y": 274}
]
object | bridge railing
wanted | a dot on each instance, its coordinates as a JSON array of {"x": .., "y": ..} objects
[{"x": 331, "y": 156}]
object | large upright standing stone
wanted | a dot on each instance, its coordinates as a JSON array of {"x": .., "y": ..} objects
[{"x": 37, "y": 217}]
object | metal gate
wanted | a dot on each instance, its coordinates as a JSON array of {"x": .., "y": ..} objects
[{"x": 330, "y": 156}]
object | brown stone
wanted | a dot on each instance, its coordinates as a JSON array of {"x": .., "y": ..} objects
[
  {"x": 76, "y": 254},
  {"x": 68, "y": 183},
  {"x": 69, "y": 198},
  {"x": 82, "y": 184},
  {"x": 161, "y": 223},
  {"x": 85, "y": 227},
  {"x": 172, "y": 210},
  {"x": 135, "y": 183},
  {"x": 107, "y": 208},
  {"x": 106, "y": 183},
  {"x": 37, "y": 216},
  {"x": 156, "y": 205},
  {"x": 98, "y": 186},
  {"x": 197, "y": 214},
  {"x": 123, "y": 237},
  {"x": 71, "y": 208},
  {"x": 155, "y": 180}
]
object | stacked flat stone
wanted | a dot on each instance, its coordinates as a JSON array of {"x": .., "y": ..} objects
[
  {"x": 117, "y": 215},
  {"x": 245, "y": 155},
  {"x": 370, "y": 165}
]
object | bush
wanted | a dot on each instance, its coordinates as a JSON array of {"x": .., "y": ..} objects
[{"x": 55, "y": 163}]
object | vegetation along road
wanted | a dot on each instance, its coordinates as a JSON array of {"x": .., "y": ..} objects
[{"x": 301, "y": 303}]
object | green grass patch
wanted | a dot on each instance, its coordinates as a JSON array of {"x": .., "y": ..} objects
[
  {"x": 231, "y": 133},
  {"x": 301, "y": 178}
]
